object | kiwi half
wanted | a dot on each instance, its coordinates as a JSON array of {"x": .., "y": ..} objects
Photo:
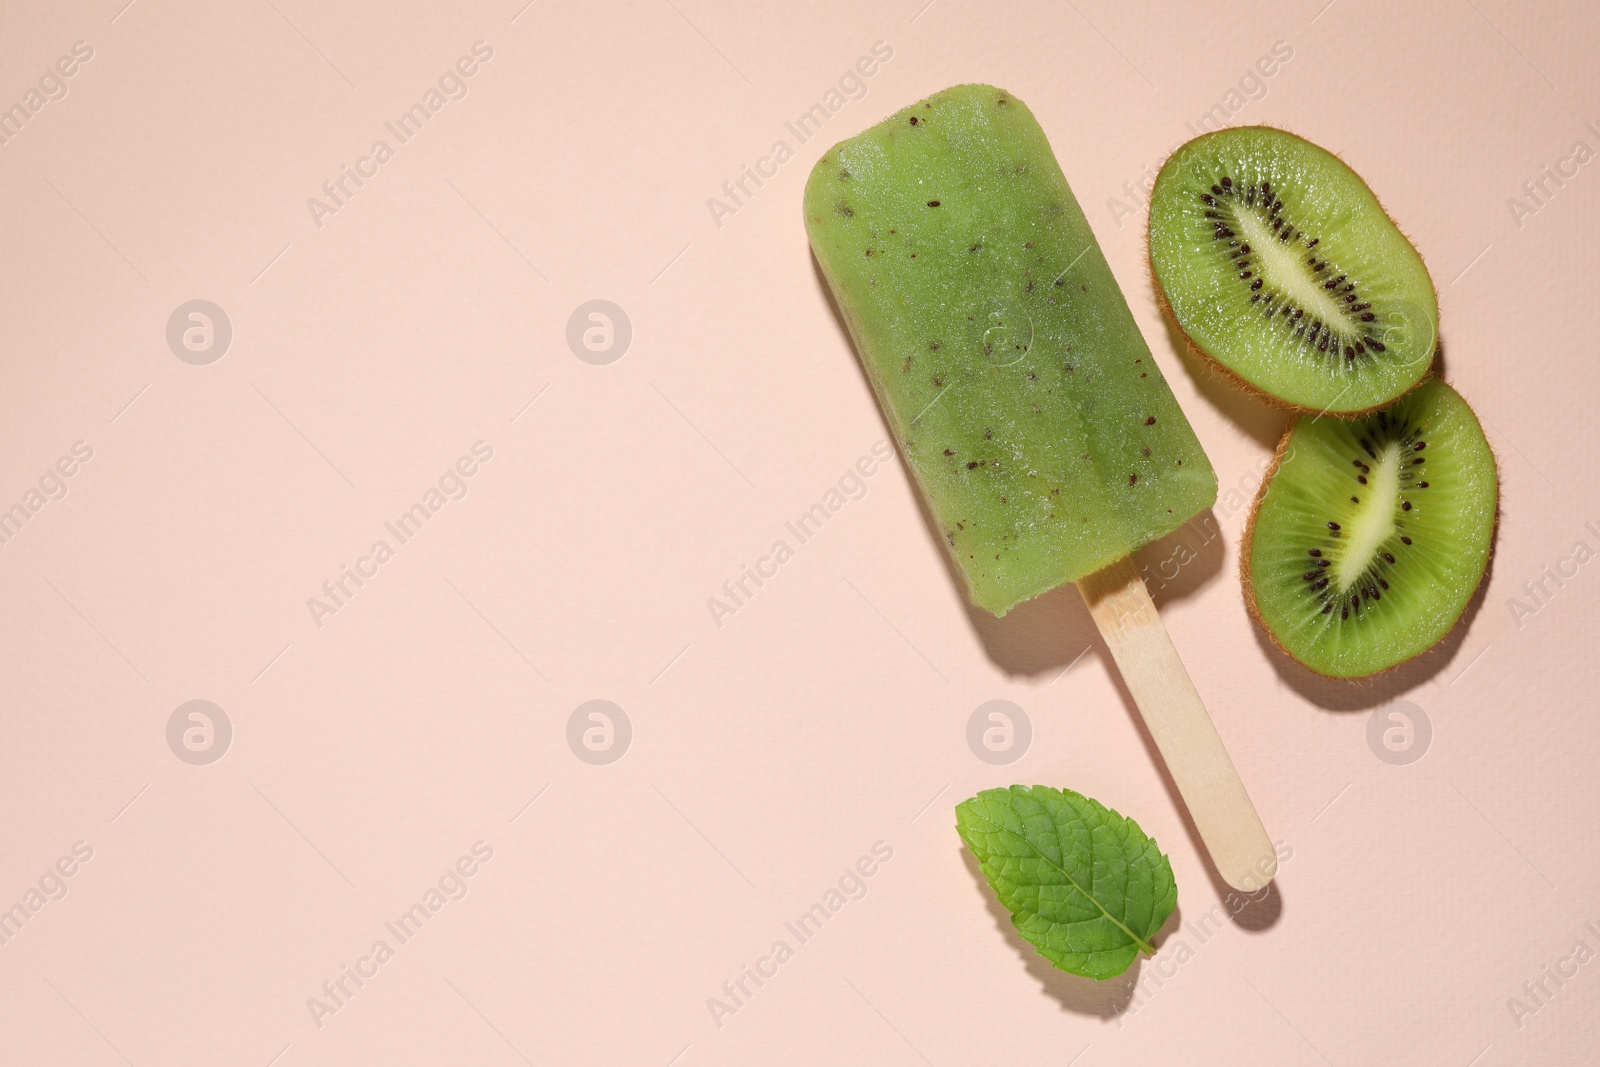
[
  {"x": 1369, "y": 536},
  {"x": 1279, "y": 264}
]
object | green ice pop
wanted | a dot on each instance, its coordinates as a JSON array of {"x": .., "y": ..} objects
[
  {"x": 1045, "y": 440},
  {"x": 1043, "y": 436}
]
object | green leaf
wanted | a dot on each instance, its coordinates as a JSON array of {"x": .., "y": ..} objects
[{"x": 1082, "y": 883}]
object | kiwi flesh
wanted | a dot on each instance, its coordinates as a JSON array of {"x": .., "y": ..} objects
[
  {"x": 1280, "y": 265},
  {"x": 1370, "y": 536}
]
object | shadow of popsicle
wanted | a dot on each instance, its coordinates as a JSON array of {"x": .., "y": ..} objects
[
  {"x": 1177, "y": 566},
  {"x": 1041, "y": 636}
]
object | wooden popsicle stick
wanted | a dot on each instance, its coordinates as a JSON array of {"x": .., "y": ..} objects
[{"x": 1205, "y": 775}]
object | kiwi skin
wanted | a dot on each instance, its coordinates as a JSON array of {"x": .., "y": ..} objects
[
  {"x": 1226, "y": 373},
  {"x": 1248, "y": 586}
]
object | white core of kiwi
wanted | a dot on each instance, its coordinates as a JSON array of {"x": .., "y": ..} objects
[
  {"x": 1287, "y": 269},
  {"x": 1373, "y": 524}
]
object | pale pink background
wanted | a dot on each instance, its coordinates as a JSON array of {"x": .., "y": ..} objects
[{"x": 830, "y": 712}]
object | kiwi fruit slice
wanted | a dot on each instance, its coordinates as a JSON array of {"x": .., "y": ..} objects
[
  {"x": 1370, "y": 535},
  {"x": 1280, "y": 265}
]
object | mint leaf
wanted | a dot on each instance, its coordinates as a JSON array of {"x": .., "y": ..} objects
[{"x": 1082, "y": 883}]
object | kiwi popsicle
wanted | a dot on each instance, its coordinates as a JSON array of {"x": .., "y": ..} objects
[
  {"x": 1043, "y": 435},
  {"x": 1044, "y": 439}
]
